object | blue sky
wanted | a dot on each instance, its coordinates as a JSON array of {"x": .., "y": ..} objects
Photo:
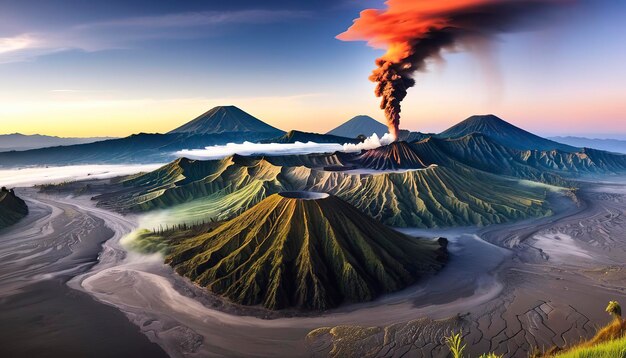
[{"x": 119, "y": 67}]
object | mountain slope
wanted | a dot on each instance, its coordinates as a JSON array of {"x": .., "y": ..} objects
[
  {"x": 223, "y": 119},
  {"x": 137, "y": 148},
  {"x": 552, "y": 167},
  {"x": 305, "y": 251},
  {"x": 451, "y": 195},
  {"x": 359, "y": 125},
  {"x": 503, "y": 133},
  {"x": 18, "y": 141},
  {"x": 397, "y": 155},
  {"x": 480, "y": 152},
  {"x": 12, "y": 208},
  {"x": 304, "y": 137}
]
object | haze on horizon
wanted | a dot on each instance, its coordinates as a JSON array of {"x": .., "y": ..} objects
[{"x": 72, "y": 68}]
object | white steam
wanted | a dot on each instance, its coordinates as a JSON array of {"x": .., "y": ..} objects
[
  {"x": 25, "y": 177},
  {"x": 248, "y": 148},
  {"x": 372, "y": 142}
]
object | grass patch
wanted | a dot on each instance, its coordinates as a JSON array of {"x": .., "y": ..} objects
[
  {"x": 610, "y": 349},
  {"x": 610, "y": 341}
]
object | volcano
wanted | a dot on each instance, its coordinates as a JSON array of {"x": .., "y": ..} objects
[
  {"x": 360, "y": 125},
  {"x": 504, "y": 133},
  {"x": 224, "y": 119},
  {"x": 397, "y": 155},
  {"x": 306, "y": 250}
]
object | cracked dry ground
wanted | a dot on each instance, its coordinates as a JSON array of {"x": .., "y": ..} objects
[{"x": 552, "y": 295}]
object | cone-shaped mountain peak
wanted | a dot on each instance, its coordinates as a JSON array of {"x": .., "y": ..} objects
[
  {"x": 224, "y": 119},
  {"x": 360, "y": 125},
  {"x": 397, "y": 155},
  {"x": 504, "y": 133},
  {"x": 305, "y": 250}
]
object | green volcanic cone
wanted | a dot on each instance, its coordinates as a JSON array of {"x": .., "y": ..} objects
[{"x": 304, "y": 250}]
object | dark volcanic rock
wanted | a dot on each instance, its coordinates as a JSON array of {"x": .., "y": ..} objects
[
  {"x": 12, "y": 208},
  {"x": 397, "y": 155}
]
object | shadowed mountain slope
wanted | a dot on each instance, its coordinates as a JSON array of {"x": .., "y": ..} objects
[
  {"x": 12, "y": 208},
  {"x": 303, "y": 137},
  {"x": 552, "y": 167},
  {"x": 303, "y": 251},
  {"x": 223, "y": 119},
  {"x": 503, "y": 133}
]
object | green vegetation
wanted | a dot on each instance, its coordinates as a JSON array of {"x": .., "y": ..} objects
[
  {"x": 309, "y": 254},
  {"x": 162, "y": 239},
  {"x": 614, "y": 308},
  {"x": 455, "y": 343},
  {"x": 611, "y": 349},
  {"x": 609, "y": 342},
  {"x": 457, "y": 348},
  {"x": 12, "y": 208},
  {"x": 451, "y": 195}
]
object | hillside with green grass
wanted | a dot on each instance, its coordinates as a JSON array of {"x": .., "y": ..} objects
[
  {"x": 608, "y": 342},
  {"x": 453, "y": 195},
  {"x": 306, "y": 252}
]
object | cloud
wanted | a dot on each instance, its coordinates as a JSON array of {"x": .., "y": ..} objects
[
  {"x": 16, "y": 43},
  {"x": 372, "y": 142},
  {"x": 126, "y": 32},
  {"x": 199, "y": 19},
  {"x": 27, "y": 177},
  {"x": 248, "y": 148}
]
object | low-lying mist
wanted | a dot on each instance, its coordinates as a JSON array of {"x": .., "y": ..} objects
[
  {"x": 26, "y": 177},
  {"x": 248, "y": 148}
]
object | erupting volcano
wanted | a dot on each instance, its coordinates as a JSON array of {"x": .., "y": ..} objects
[{"x": 414, "y": 31}]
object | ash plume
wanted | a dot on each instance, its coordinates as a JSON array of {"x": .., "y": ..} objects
[{"x": 414, "y": 31}]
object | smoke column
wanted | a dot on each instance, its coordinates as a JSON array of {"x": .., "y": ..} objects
[{"x": 414, "y": 31}]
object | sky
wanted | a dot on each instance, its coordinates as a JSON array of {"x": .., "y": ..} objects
[{"x": 113, "y": 68}]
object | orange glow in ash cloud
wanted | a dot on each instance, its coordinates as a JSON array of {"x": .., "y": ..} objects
[{"x": 414, "y": 31}]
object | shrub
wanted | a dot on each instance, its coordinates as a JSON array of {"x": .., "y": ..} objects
[
  {"x": 455, "y": 343},
  {"x": 614, "y": 309}
]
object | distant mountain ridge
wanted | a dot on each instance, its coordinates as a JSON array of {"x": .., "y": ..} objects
[
  {"x": 223, "y": 119},
  {"x": 137, "y": 148},
  {"x": 303, "y": 137},
  {"x": 19, "y": 141},
  {"x": 359, "y": 125},
  {"x": 611, "y": 145},
  {"x": 218, "y": 126},
  {"x": 504, "y": 133}
]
